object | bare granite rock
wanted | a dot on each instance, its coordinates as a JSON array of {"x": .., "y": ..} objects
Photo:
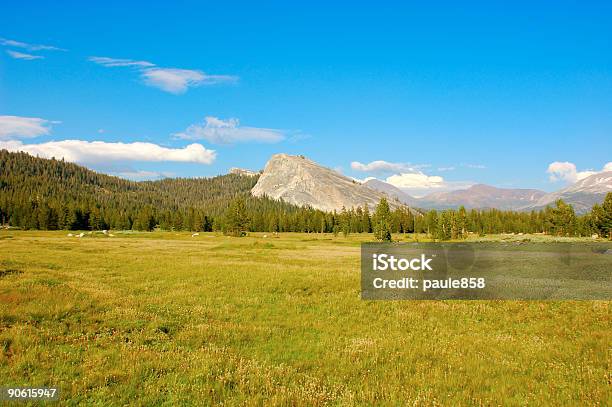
[
  {"x": 242, "y": 171},
  {"x": 300, "y": 181}
]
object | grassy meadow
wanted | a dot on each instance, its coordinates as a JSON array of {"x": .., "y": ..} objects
[{"x": 165, "y": 318}]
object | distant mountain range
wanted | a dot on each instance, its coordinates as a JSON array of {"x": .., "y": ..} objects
[
  {"x": 300, "y": 181},
  {"x": 392, "y": 191},
  {"x": 582, "y": 195},
  {"x": 482, "y": 196}
]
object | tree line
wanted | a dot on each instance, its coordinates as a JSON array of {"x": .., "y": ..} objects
[
  {"x": 559, "y": 220},
  {"x": 52, "y": 194}
]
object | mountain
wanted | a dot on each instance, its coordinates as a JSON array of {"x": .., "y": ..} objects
[
  {"x": 391, "y": 191},
  {"x": 300, "y": 181},
  {"x": 25, "y": 179},
  {"x": 243, "y": 171},
  {"x": 582, "y": 195},
  {"x": 482, "y": 196}
]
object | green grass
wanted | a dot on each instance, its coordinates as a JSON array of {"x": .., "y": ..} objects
[{"x": 168, "y": 319}]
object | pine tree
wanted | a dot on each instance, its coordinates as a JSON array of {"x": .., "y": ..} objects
[
  {"x": 601, "y": 217},
  {"x": 236, "y": 218},
  {"x": 431, "y": 222},
  {"x": 366, "y": 223},
  {"x": 344, "y": 222},
  {"x": 562, "y": 219},
  {"x": 382, "y": 221},
  {"x": 444, "y": 230},
  {"x": 95, "y": 219},
  {"x": 462, "y": 223}
]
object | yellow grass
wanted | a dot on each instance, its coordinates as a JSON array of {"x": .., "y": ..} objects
[{"x": 167, "y": 319}]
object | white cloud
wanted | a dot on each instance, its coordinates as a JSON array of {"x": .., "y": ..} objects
[
  {"x": 416, "y": 180},
  {"x": 30, "y": 47},
  {"x": 178, "y": 80},
  {"x": 173, "y": 80},
  {"x": 384, "y": 166},
  {"x": 418, "y": 184},
  {"x": 21, "y": 55},
  {"x": 23, "y": 127},
  {"x": 229, "y": 131},
  {"x": 409, "y": 178},
  {"x": 100, "y": 152},
  {"x": 111, "y": 62},
  {"x": 566, "y": 171}
]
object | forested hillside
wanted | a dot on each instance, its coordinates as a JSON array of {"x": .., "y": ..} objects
[{"x": 38, "y": 193}]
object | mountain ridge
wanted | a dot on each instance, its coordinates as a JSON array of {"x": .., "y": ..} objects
[
  {"x": 303, "y": 182},
  {"x": 480, "y": 196},
  {"x": 300, "y": 181},
  {"x": 582, "y": 195}
]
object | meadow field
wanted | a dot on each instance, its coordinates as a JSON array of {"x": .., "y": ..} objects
[{"x": 164, "y": 318}]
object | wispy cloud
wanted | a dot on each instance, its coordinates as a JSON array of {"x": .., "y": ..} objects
[
  {"x": 112, "y": 62},
  {"x": 172, "y": 80},
  {"x": 442, "y": 169},
  {"x": 229, "y": 131},
  {"x": 566, "y": 171},
  {"x": 178, "y": 80},
  {"x": 381, "y": 166},
  {"x": 30, "y": 47},
  {"x": 21, "y": 55},
  {"x": 474, "y": 166},
  {"x": 100, "y": 152},
  {"x": 24, "y": 127}
]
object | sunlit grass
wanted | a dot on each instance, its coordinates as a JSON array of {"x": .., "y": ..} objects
[{"x": 167, "y": 318}]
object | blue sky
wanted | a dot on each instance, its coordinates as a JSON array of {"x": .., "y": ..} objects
[{"x": 443, "y": 95}]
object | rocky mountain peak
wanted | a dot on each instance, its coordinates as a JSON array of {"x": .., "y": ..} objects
[
  {"x": 243, "y": 171},
  {"x": 301, "y": 181}
]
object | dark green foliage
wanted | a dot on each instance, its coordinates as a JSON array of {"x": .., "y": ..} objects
[
  {"x": 382, "y": 221},
  {"x": 237, "y": 219},
  {"x": 561, "y": 220},
  {"x": 450, "y": 224},
  {"x": 365, "y": 221},
  {"x": 345, "y": 222},
  {"x": 601, "y": 218}
]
